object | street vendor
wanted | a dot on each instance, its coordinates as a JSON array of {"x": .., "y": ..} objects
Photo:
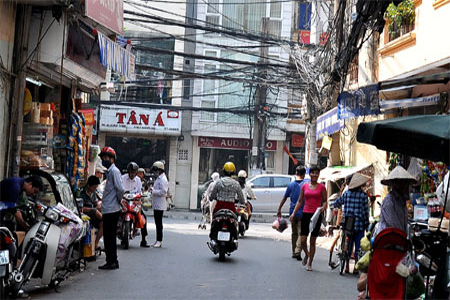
[{"x": 394, "y": 212}]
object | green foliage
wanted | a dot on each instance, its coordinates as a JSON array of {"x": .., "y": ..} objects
[{"x": 402, "y": 14}]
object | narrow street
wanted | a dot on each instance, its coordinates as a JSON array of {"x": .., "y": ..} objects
[{"x": 186, "y": 269}]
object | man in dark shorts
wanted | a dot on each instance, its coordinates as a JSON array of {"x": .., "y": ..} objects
[{"x": 90, "y": 207}]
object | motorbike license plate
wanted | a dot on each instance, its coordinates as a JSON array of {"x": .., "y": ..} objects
[
  {"x": 4, "y": 257},
  {"x": 223, "y": 236}
]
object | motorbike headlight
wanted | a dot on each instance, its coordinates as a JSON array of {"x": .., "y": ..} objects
[{"x": 52, "y": 214}]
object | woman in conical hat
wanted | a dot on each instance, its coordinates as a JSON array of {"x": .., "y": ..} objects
[
  {"x": 393, "y": 210},
  {"x": 356, "y": 206}
]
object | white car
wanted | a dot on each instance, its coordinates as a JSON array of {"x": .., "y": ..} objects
[{"x": 269, "y": 189}]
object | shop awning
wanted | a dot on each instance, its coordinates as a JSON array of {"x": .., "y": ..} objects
[
  {"x": 340, "y": 172},
  {"x": 426, "y": 137},
  {"x": 412, "y": 102}
]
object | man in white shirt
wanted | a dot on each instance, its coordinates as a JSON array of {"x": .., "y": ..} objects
[{"x": 132, "y": 184}]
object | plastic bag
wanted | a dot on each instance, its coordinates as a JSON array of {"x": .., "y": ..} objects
[
  {"x": 363, "y": 263},
  {"x": 140, "y": 221},
  {"x": 365, "y": 244},
  {"x": 280, "y": 224},
  {"x": 314, "y": 219}
]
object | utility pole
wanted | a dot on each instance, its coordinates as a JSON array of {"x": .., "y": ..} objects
[{"x": 259, "y": 124}]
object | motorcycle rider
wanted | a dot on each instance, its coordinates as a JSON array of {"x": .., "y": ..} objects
[
  {"x": 226, "y": 190},
  {"x": 141, "y": 175},
  {"x": 133, "y": 184},
  {"x": 13, "y": 193},
  {"x": 248, "y": 192},
  {"x": 112, "y": 196}
]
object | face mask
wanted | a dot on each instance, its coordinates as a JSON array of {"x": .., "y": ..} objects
[{"x": 106, "y": 163}]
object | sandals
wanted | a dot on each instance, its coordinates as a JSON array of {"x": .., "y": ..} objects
[{"x": 305, "y": 260}]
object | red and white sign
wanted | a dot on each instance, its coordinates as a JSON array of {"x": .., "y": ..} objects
[
  {"x": 298, "y": 140},
  {"x": 140, "y": 121},
  {"x": 232, "y": 143},
  {"x": 108, "y": 13}
]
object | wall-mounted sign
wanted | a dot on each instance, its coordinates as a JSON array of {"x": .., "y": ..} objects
[
  {"x": 232, "y": 143},
  {"x": 88, "y": 115},
  {"x": 328, "y": 123},
  {"x": 413, "y": 102},
  {"x": 298, "y": 140},
  {"x": 140, "y": 121},
  {"x": 108, "y": 13},
  {"x": 362, "y": 102}
]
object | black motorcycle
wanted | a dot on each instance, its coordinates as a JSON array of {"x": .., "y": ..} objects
[{"x": 224, "y": 233}]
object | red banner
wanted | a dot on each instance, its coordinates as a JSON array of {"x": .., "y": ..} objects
[
  {"x": 305, "y": 36},
  {"x": 298, "y": 141},
  {"x": 88, "y": 116},
  {"x": 232, "y": 143}
]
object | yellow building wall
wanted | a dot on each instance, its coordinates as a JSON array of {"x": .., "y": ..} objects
[{"x": 431, "y": 44}]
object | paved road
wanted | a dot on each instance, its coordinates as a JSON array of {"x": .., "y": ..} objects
[{"x": 186, "y": 269}]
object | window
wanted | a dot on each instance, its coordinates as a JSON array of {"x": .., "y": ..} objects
[
  {"x": 209, "y": 85},
  {"x": 207, "y": 115},
  {"x": 213, "y": 16},
  {"x": 353, "y": 70},
  {"x": 246, "y": 15},
  {"x": 183, "y": 155},
  {"x": 281, "y": 181},
  {"x": 261, "y": 182}
]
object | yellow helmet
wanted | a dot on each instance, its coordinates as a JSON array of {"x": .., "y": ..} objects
[{"x": 229, "y": 167}]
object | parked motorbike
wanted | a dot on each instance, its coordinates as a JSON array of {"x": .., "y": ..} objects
[
  {"x": 224, "y": 233},
  {"x": 242, "y": 218},
  {"x": 7, "y": 256},
  {"x": 129, "y": 219},
  {"x": 49, "y": 248},
  {"x": 430, "y": 249}
]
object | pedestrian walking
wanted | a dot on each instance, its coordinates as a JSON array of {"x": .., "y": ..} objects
[
  {"x": 112, "y": 196},
  {"x": 293, "y": 193},
  {"x": 159, "y": 194},
  {"x": 314, "y": 194}
]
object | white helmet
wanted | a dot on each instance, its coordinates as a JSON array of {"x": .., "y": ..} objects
[
  {"x": 158, "y": 165},
  {"x": 242, "y": 173}
]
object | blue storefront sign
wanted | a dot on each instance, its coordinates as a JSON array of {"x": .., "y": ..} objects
[
  {"x": 362, "y": 102},
  {"x": 328, "y": 123}
]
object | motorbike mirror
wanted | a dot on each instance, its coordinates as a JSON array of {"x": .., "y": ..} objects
[
  {"x": 251, "y": 184},
  {"x": 79, "y": 203}
]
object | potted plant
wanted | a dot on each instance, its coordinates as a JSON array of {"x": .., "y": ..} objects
[{"x": 400, "y": 18}]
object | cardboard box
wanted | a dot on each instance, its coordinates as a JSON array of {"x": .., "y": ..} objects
[
  {"x": 46, "y": 106},
  {"x": 46, "y": 114}
]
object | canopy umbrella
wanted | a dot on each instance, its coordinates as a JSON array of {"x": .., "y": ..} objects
[{"x": 426, "y": 136}]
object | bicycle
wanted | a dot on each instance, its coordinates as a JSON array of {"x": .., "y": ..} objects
[{"x": 341, "y": 248}]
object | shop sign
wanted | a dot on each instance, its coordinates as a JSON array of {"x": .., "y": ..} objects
[
  {"x": 115, "y": 57},
  {"x": 328, "y": 123},
  {"x": 298, "y": 140},
  {"x": 232, "y": 143},
  {"x": 140, "y": 121},
  {"x": 88, "y": 114},
  {"x": 413, "y": 102},
  {"x": 108, "y": 13},
  {"x": 362, "y": 102}
]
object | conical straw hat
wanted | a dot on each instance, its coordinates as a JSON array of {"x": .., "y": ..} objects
[
  {"x": 357, "y": 181},
  {"x": 399, "y": 173}
]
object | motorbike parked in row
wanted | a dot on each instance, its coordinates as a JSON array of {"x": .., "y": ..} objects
[
  {"x": 130, "y": 219},
  {"x": 7, "y": 256},
  {"x": 224, "y": 233},
  {"x": 50, "y": 249}
]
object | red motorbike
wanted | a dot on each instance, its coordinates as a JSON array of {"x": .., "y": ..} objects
[{"x": 130, "y": 219}]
